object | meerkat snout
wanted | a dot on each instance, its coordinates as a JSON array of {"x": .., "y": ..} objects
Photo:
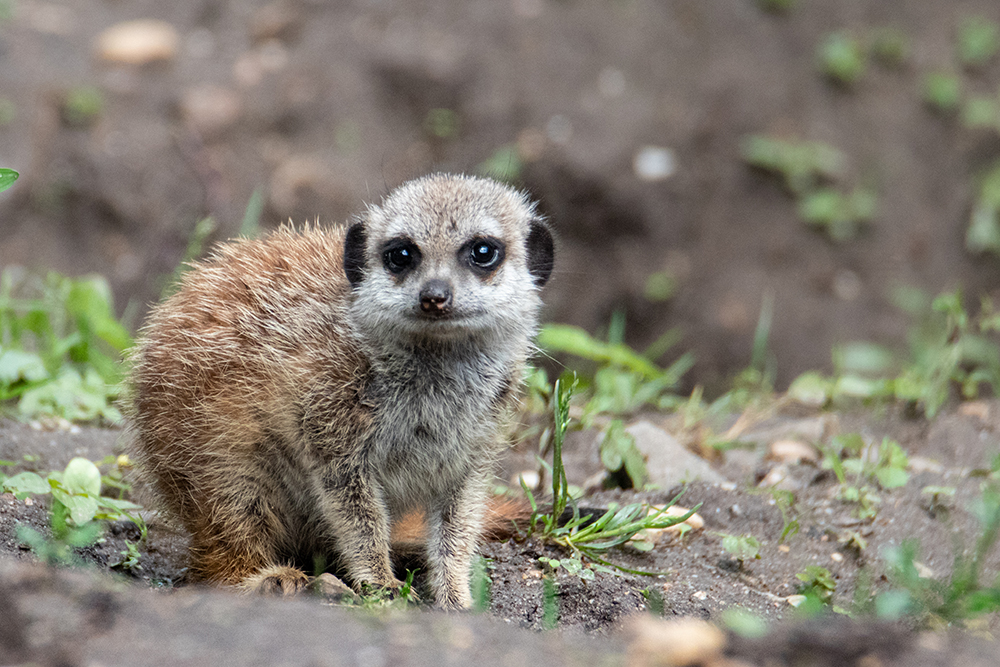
[{"x": 435, "y": 297}]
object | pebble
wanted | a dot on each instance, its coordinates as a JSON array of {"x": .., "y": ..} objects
[
  {"x": 793, "y": 451},
  {"x": 138, "y": 42},
  {"x": 530, "y": 478},
  {"x": 978, "y": 409},
  {"x": 686, "y": 641},
  {"x": 654, "y": 163},
  {"x": 210, "y": 109}
]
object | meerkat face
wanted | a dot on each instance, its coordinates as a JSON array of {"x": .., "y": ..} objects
[{"x": 445, "y": 257}]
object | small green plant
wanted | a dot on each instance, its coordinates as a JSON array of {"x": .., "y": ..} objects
[
  {"x": 948, "y": 349},
  {"x": 442, "y": 123},
  {"x": 942, "y": 91},
  {"x": 481, "y": 583},
  {"x": 807, "y": 167},
  {"x": 978, "y": 41},
  {"x": 587, "y": 535},
  {"x": 804, "y": 164},
  {"x": 961, "y": 596},
  {"x": 372, "y": 597},
  {"x": 7, "y": 178},
  {"x": 861, "y": 468},
  {"x": 983, "y": 233},
  {"x": 817, "y": 582},
  {"x": 82, "y": 106},
  {"x": 660, "y": 286},
  {"x": 620, "y": 455},
  {"x": 130, "y": 558},
  {"x": 889, "y": 46},
  {"x": 504, "y": 164},
  {"x": 60, "y": 346},
  {"x": 841, "y": 215},
  {"x": 741, "y": 547},
  {"x": 76, "y": 512},
  {"x": 625, "y": 380},
  {"x": 785, "y": 501},
  {"x": 842, "y": 57},
  {"x": 550, "y": 603}
]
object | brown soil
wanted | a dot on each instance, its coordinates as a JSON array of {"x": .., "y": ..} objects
[
  {"x": 698, "y": 578},
  {"x": 325, "y": 105},
  {"x": 321, "y": 106}
]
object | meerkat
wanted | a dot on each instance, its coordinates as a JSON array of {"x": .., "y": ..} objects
[{"x": 301, "y": 393}]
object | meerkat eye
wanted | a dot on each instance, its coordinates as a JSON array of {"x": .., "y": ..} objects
[
  {"x": 400, "y": 255},
  {"x": 485, "y": 254}
]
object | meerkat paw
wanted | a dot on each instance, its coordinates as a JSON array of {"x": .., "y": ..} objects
[{"x": 276, "y": 580}]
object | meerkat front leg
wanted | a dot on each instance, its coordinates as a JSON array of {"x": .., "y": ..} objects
[
  {"x": 358, "y": 519},
  {"x": 453, "y": 531}
]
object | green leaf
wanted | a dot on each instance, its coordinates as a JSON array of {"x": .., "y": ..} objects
[
  {"x": 841, "y": 57},
  {"x": 82, "y": 509},
  {"x": 18, "y": 366},
  {"x": 891, "y": 478},
  {"x": 811, "y": 388},
  {"x": 892, "y": 605},
  {"x": 82, "y": 476},
  {"x": 7, "y": 178},
  {"x": 24, "y": 483},
  {"x": 978, "y": 41},
  {"x": 943, "y": 91}
]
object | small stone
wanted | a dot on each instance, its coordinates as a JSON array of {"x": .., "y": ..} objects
[
  {"x": 700, "y": 596},
  {"x": 277, "y": 20},
  {"x": 795, "y": 600},
  {"x": 775, "y": 476},
  {"x": 784, "y": 548},
  {"x": 138, "y": 42},
  {"x": 847, "y": 285},
  {"x": 978, "y": 409},
  {"x": 654, "y": 163},
  {"x": 668, "y": 462},
  {"x": 837, "y": 557},
  {"x": 210, "y": 109},
  {"x": 686, "y": 641},
  {"x": 529, "y": 477},
  {"x": 919, "y": 464},
  {"x": 793, "y": 451},
  {"x": 333, "y": 588}
]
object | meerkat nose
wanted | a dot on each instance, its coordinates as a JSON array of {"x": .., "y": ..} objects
[{"x": 435, "y": 297}]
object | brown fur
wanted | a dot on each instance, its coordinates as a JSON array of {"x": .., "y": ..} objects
[{"x": 282, "y": 417}]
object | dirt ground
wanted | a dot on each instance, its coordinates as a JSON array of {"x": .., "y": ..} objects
[
  {"x": 698, "y": 578},
  {"x": 322, "y": 106}
]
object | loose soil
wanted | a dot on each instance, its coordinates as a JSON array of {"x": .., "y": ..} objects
[
  {"x": 697, "y": 577},
  {"x": 321, "y": 106}
]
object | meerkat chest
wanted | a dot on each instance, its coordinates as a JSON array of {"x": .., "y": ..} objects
[{"x": 436, "y": 424}]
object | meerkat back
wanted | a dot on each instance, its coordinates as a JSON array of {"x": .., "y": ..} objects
[{"x": 300, "y": 393}]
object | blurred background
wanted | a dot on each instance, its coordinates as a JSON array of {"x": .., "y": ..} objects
[{"x": 703, "y": 163}]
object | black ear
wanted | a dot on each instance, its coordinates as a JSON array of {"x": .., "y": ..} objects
[
  {"x": 354, "y": 253},
  {"x": 541, "y": 252}
]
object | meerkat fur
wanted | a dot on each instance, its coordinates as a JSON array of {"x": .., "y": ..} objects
[{"x": 301, "y": 393}]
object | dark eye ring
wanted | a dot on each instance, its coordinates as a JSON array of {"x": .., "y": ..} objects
[
  {"x": 485, "y": 255},
  {"x": 399, "y": 258}
]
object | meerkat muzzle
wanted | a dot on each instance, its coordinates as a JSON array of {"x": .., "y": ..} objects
[{"x": 435, "y": 297}]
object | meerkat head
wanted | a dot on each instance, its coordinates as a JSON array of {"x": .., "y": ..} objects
[{"x": 445, "y": 257}]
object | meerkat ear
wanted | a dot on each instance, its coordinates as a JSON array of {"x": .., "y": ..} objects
[
  {"x": 541, "y": 252},
  {"x": 354, "y": 253}
]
